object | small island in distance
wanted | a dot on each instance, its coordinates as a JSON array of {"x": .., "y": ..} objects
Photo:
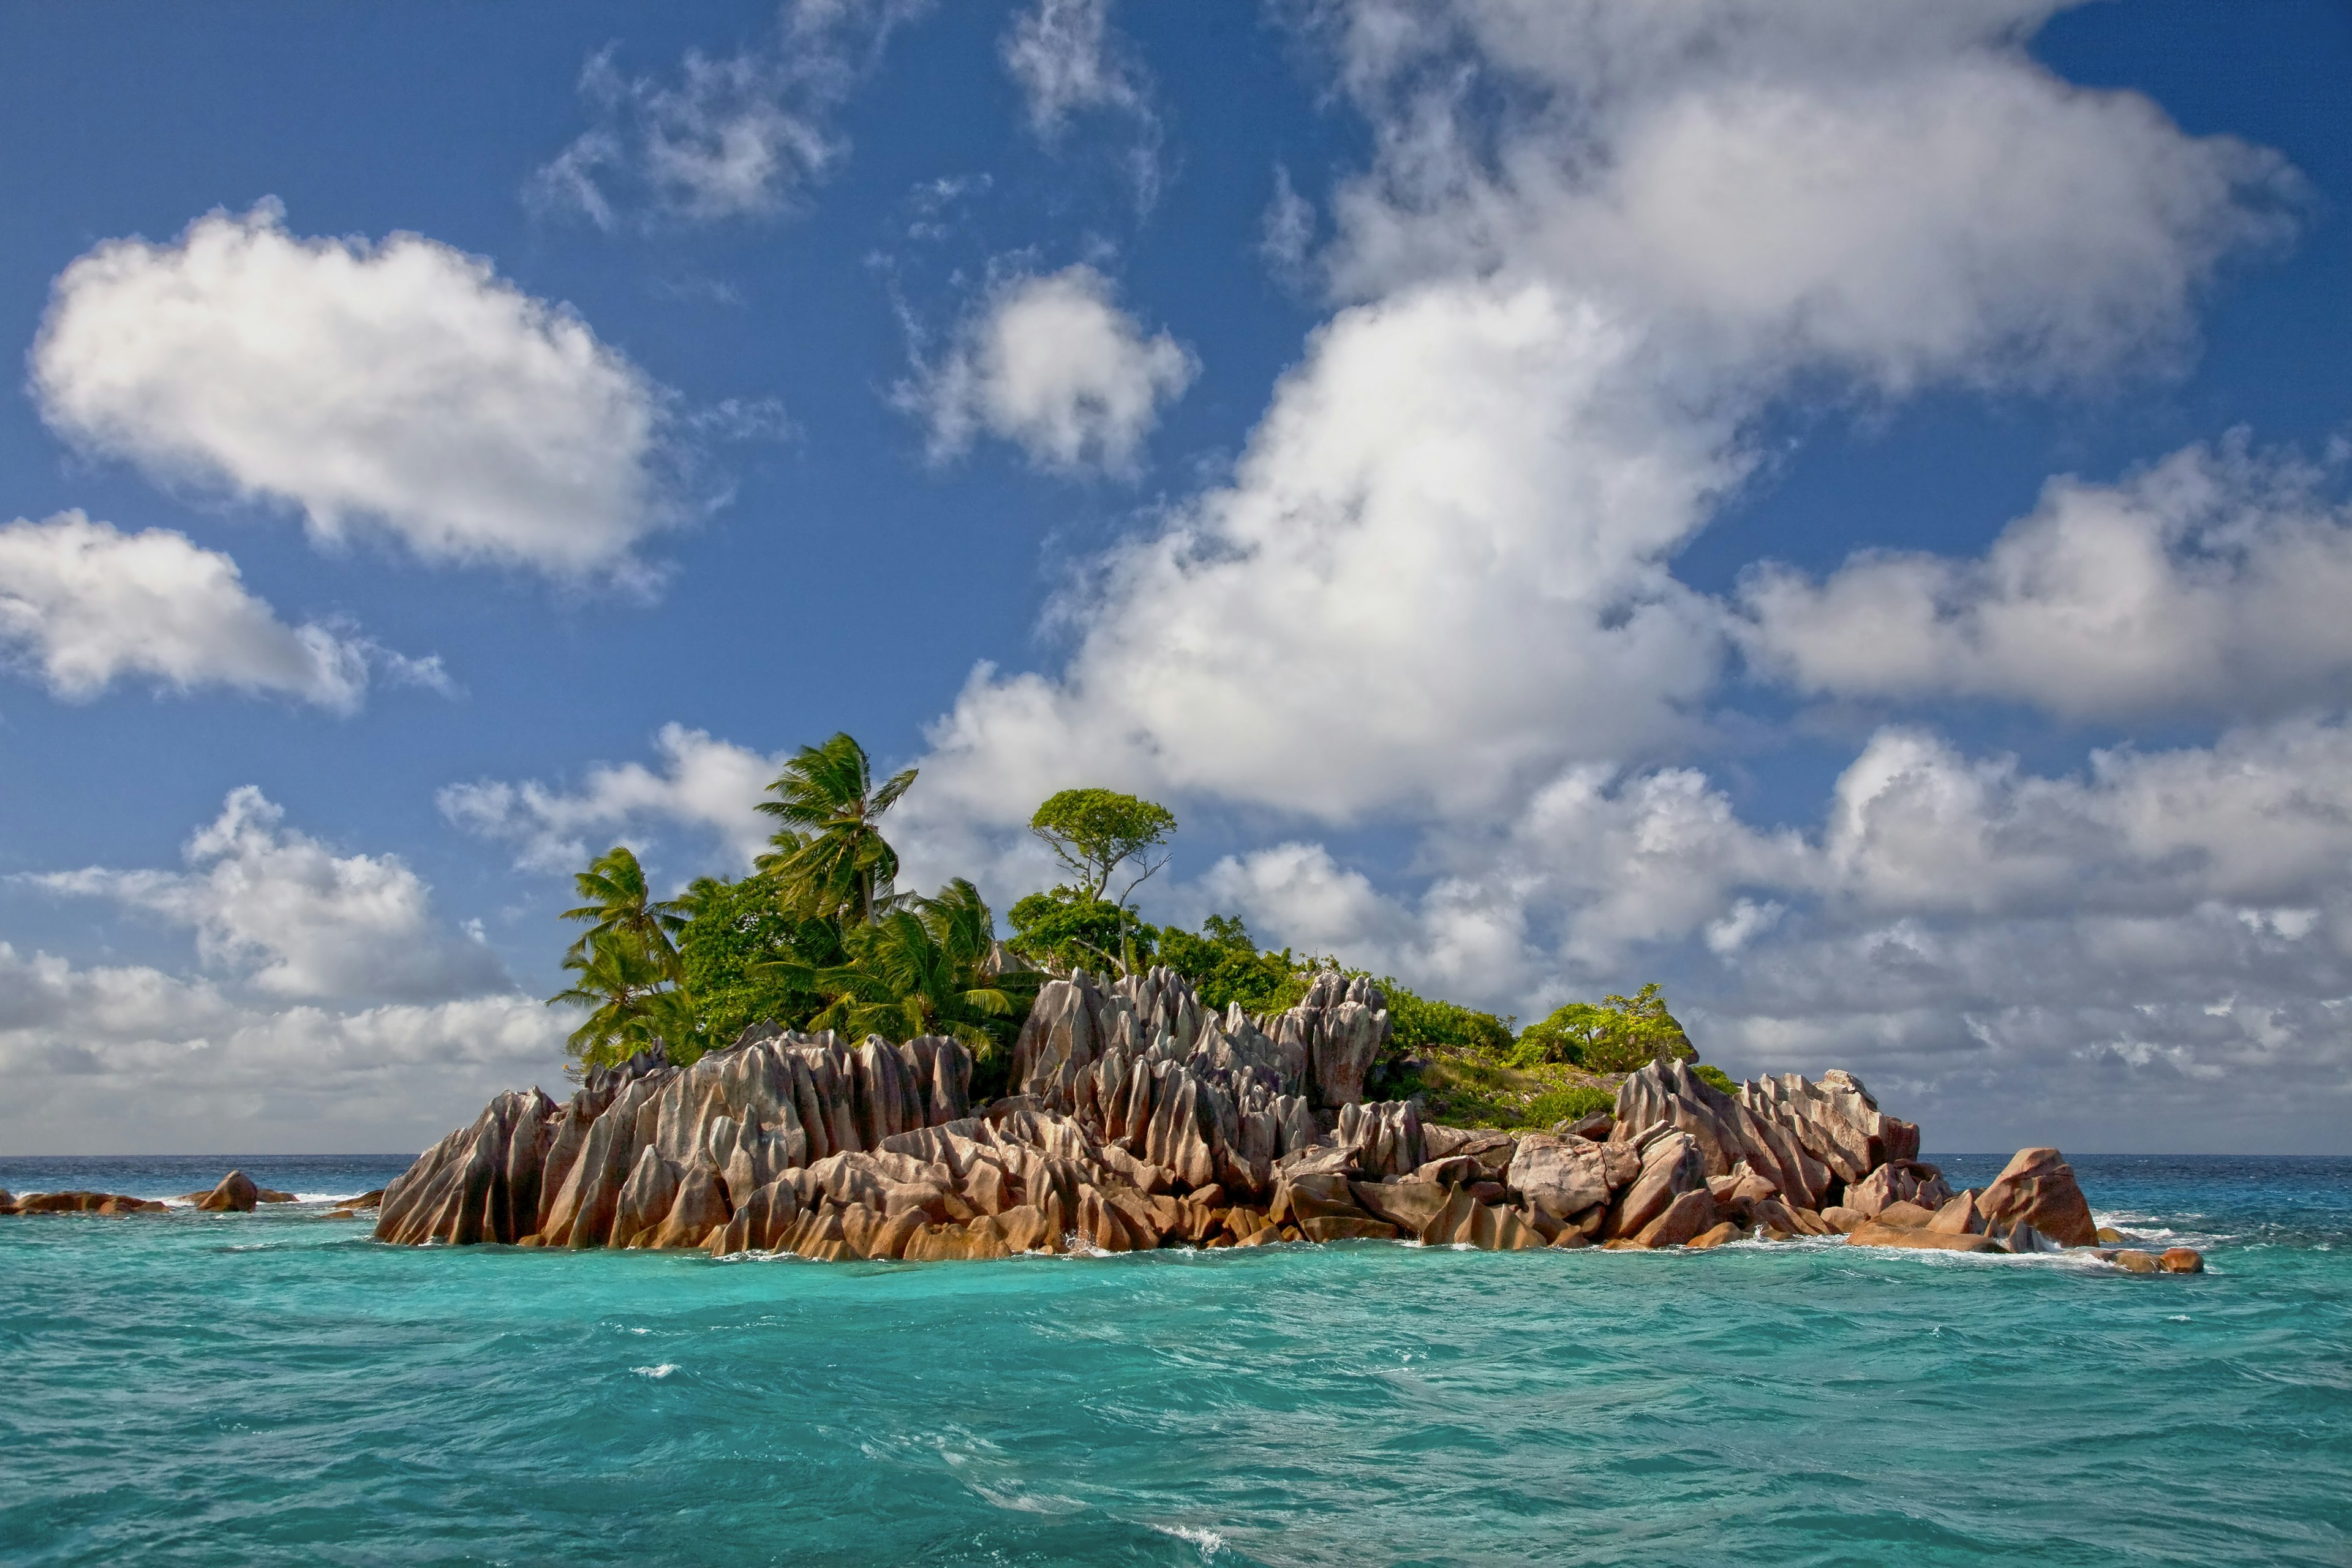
[
  {"x": 1139, "y": 1120},
  {"x": 1135, "y": 1112}
]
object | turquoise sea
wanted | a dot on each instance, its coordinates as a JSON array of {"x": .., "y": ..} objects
[{"x": 277, "y": 1389}]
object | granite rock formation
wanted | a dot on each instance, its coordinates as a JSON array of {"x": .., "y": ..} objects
[
  {"x": 1137, "y": 1118},
  {"x": 2038, "y": 1188}
]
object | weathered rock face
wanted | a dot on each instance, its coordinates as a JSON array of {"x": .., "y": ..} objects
[
  {"x": 1140, "y": 1063},
  {"x": 1691, "y": 1215},
  {"x": 608, "y": 1168},
  {"x": 1671, "y": 1166},
  {"x": 2037, "y": 1187},
  {"x": 1898, "y": 1182},
  {"x": 1801, "y": 1136},
  {"x": 1959, "y": 1216},
  {"x": 1561, "y": 1176}
]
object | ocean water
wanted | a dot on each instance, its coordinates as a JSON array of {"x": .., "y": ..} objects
[{"x": 276, "y": 1388}]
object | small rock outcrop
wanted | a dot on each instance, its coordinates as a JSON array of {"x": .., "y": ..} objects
[
  {"x": 78, "y": 1201},
  {"x": 2037, "y": 1187},
  {"x": 234, "y": 1195}
]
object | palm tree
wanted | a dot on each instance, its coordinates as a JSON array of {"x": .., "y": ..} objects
[
  {"x": 830, "y": 857},
  {"x": 921, "y": 970},
  {"x": 622, "y": 906},
  {"x": 619, "y": 981}
]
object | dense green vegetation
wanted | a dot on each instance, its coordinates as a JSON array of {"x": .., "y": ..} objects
[
  {"x": 1623, "y": 1034},
  {"x": 819, "y": 937}
]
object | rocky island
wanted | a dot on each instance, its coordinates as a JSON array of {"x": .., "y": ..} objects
[{"x": 1140, "y": 1119}]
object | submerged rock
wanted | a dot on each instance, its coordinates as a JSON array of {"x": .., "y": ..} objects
[
  {"x": 80, "y": 1202},
  {"x": 1877, "y": 1233}
]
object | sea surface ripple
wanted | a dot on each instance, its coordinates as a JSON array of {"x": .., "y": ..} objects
[{"x": 276, "y": 1388}]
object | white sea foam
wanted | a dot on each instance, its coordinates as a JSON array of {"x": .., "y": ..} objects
[
  {"x": 1208, "y": 1540},
  {"x": 1020, "y": 1502},
  {"x": 655, "y": 1371}
]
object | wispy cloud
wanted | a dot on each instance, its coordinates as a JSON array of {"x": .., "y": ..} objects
[{"x": 731, "y": 136}]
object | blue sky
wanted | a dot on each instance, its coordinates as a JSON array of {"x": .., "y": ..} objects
[{"x": 1838, "y": 507}]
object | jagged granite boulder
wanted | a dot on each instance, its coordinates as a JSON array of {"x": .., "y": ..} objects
[
  {"x": 1898, "y": 1182},
  {"x": 1671, "y": 1166},
  {"x": 2037, "y": 1187}
]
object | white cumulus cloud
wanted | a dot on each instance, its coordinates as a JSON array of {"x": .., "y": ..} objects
[
  {"x": 1052, "y": 364},
  {"x": 704, "y": 785},
  {"x": 1439, "y": 565},
  {"x": 83, "y": 604},
  {"x": 1891, "y": 188},
  {"x": 1440, "y": 573},
  {"x": 2109, "y": 954},
  {"x": 402, "y": 388},
  {"x": 293, "y": 918},
  {"x": 1061, "y": 52},
  {"x": 125, "y": 1059},
  {"x": 2211, "y": 581}
]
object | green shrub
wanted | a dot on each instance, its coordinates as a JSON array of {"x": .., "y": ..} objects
[
  {"x": 1417, "y": 1021},
  {"x": 1068, "y": 928},
  {"x": 1715, "y": 1076},
  {"x": 1224, "y": 966},
  {"x": 1567, "y": 1105},
  {"x": 1623, "y": 1034},
  {"x": 736, "y": 929}
]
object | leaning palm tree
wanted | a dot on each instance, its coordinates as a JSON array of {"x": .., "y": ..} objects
[
  {"x": 831, "y": 858},
  {"x": 620, "y": 905}
]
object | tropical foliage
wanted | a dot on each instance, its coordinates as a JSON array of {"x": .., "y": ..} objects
[
  {"x": 624, "y": 967},
  {"x": 1226, "y": 967},
  {"x": 922, "y": 969},
  {"x": 738, "y": 933},
  {"x": 1064, "y": 928},
  {"x": 1623, "y": 1034},
  {"x": 1418, "y": 1021},
  {"x": 1570, "y": 1104},
  {"x": 1094, "y": 832},
  {"x": 819, "y": 937}
]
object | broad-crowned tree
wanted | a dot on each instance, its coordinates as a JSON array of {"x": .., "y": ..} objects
[{"x": 1097, "y": 833}]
